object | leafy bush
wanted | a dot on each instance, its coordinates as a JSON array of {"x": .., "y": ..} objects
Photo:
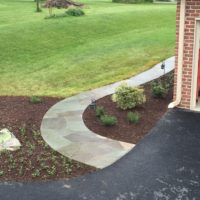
[
  {"x": 99, "y": 111},
  {"x": 75, "y": 12},
  {"x": 133, "y": 117},
  {"x": 159, "y": 89},
  {"x": 35, "y": 99},
  {"x": 128, "y": 97},
  {"x": 108, "y": 120}
]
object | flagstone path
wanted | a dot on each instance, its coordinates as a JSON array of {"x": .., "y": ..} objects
[{"x": 64, "y": 130}]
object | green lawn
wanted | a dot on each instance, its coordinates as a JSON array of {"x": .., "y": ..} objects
[{"x": 64, "y": 56}]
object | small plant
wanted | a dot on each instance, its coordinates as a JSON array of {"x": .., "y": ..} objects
[
  {"x": 108, "y": 120},
  {"x": 133, "y": 117},
  {"x": 128, "y": 97},
  {"x": 159, "y": 89},
  {"x": 36, "y": 134},
  {"x": 35, "y": 99},
  {"x": 22, "y": 130},
  {"x": 36, "y": 173},
  {"x": 99, "y": 111},
  {"x": 21, "y": 172},
  {"x": 1, "y": 173},
  {"x": 75, "y": 12},
  {"x": 52, "y": 171}
]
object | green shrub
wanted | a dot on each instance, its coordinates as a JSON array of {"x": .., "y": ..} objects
[
  {"x": 99, "y": 111},
  {"x": 133, "y": 117},
  {"x": 75, "y": 12},
  {"x": 159, "y": 89},
  {"x": 108, "y": 120},
  {"x": 35, "y": 99},
  {"x": 128, "y": 97}
]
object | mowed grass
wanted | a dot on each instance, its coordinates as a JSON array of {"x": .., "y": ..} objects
[{"x": 64, "y": 56}]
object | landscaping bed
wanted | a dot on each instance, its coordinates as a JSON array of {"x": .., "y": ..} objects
[
  {"x": 35, "y": 160},
  {"x": 150, "y": 112}
]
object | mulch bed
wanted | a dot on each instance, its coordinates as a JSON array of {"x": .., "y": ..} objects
[
  {"x": 150, "y": 113},
  {"x": 35, "y": 160}
]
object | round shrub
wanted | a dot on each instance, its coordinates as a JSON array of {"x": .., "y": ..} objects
[
  {"x": 108, "y": 120},
  {"x": 133, "y": 117},
  {"x": 128, "y": 97},
  {"x": 75, "y": 12}
]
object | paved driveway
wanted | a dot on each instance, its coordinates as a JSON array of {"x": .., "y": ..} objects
[{"x": 163, "y": 166}]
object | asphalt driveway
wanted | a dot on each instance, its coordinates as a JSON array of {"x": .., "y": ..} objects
[{"x": 165, "y": 165}]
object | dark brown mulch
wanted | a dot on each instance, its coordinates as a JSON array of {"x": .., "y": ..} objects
[
  {"x": 35, "y": 160},
  {"x": 150, "y": 113}
]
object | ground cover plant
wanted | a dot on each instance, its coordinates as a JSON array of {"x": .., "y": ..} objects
[
  {"x": 132, "y": 124},
  {"x": 133, "y": 117},
  {"x": 35, "y": 99},
  {"x": 35, "y": 160},
  {"x": 64, "y": 56},
  {"x": 100, "y": 111},
  {"x": 108, "y": 120}
]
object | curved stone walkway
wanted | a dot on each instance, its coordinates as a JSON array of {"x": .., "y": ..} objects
[{"x": 64, "y": 130}]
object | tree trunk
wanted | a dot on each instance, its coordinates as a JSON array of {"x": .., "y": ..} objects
[{"x": 38, "y": 6}]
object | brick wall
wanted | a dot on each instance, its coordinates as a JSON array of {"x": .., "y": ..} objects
[{"x": 192, "y": 11}]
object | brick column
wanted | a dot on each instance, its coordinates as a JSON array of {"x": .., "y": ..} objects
[{"x": 192, "y": 11}]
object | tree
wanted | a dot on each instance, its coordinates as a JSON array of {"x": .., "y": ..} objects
[{"x": 50, "y": 4}]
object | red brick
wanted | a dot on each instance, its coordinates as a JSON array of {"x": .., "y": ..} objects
[{"x": 192, "y": 11}]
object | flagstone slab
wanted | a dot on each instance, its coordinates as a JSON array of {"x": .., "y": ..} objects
[{"x": 64, "y": 130}]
